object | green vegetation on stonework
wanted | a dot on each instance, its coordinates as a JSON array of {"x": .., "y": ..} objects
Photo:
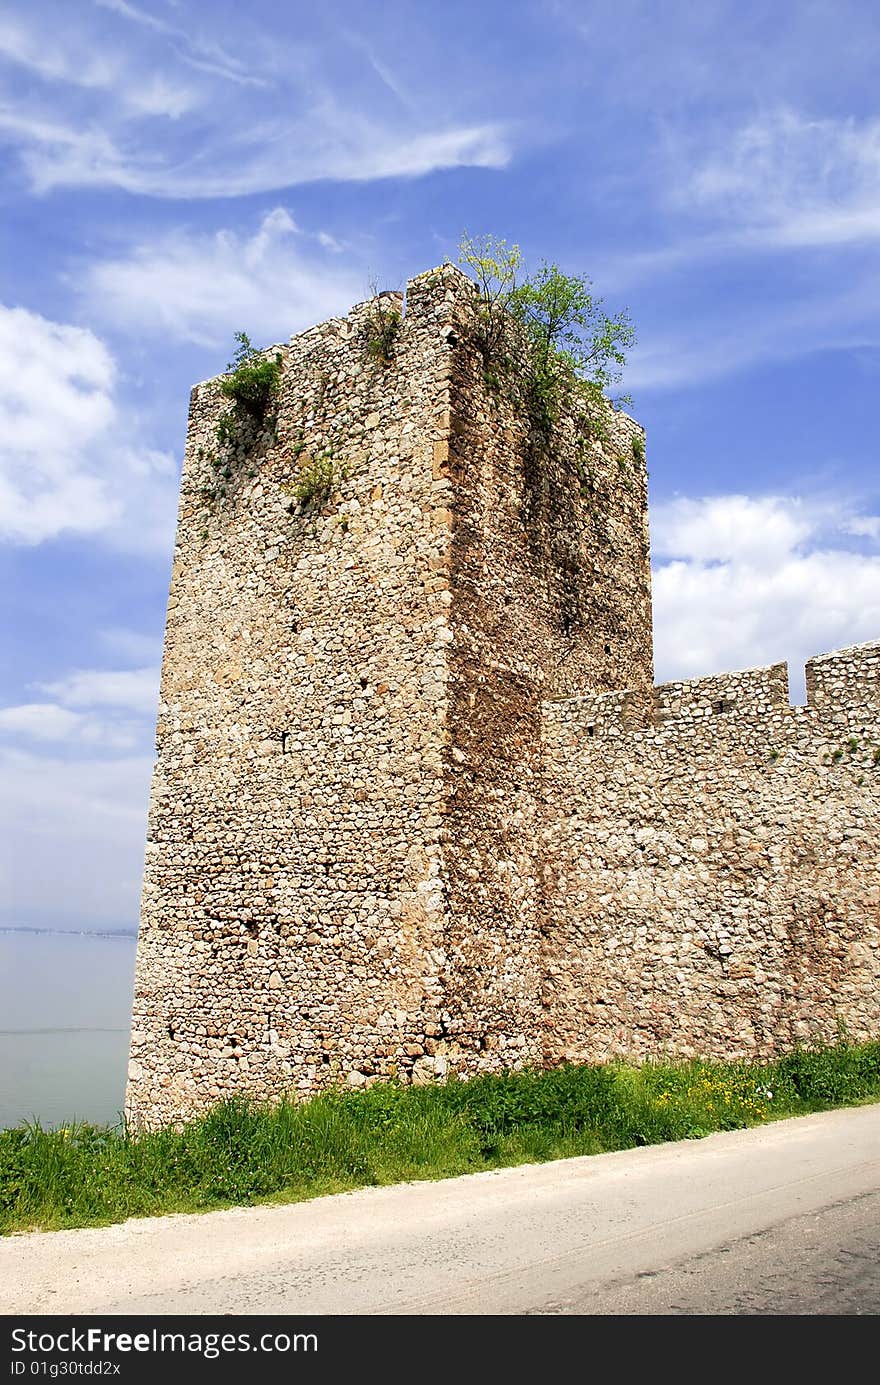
[
  {"x": 317, "y": 479},
  {"x": 383, "y": 326},
  {"x": 251, "y": 383},
  {"x": 243, "y": 1153},
  {"x": 252, "y": 379},
  {"x": 575, "y": 350}
]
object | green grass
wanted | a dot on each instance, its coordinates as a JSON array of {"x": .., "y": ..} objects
[{"x": 240, "y": 1152}]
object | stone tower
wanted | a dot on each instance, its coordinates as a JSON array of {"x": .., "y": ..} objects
[{"x": 343, "y": 873}]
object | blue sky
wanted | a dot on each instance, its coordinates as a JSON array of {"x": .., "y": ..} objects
[{"x": 172, "y": 172}]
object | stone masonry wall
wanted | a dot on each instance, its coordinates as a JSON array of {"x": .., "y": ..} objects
[
  {"x": 417, "y": 807},
  {"x": 340, "y": 874},
  {"x": 292, "y": 902},
  {"x": 713, "y": 876},
  {"x": 550, "y": 584}
]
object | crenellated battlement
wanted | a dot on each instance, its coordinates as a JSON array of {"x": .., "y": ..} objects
[
  {"x": 843, "y": 689},
  {"x": 747, "y": 693},
  {"x": 845, "y": 680}
]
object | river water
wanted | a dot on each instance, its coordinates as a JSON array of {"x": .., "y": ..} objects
[{"x": 65, "y": 1010}]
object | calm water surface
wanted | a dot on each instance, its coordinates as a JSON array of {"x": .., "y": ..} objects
[{"x": 65, "y": 1008}]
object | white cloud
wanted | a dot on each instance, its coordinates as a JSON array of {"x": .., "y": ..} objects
[
  {"x": 68, "y": 367},
  {"x": 203, "y": 287},
  {"x": 76, "y": 60},
  {"x": 741, "y": 582},
  {"x": 316, "y": 123},
  {"x": 73, "y": 833},
  {"x": 136, "y": 689},
  {"x": 864, "y": 526},
  {"x": 730, "y": 528},
  {"x": 133, "y": 646},
  {"x": 108, "y": 710},
  {"x": 39, "y": 721},
  {"x": 62, "y": 467},
  {"x": 344, "y": 147},
  {"x": 74, "y": 785},
  {"x": 790, "y": 180},
  {"x": 206, "y": 55},
  {"x": 46, "y": 721},
  {"x": 56, "y": 386}
]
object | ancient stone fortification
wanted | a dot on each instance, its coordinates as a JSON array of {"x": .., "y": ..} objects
[{"x": 418, "y": 808}]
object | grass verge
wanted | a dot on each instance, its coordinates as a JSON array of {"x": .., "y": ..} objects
[{"x": 241, "y": 1152}]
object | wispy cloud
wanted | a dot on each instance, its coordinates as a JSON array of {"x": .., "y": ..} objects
[
  {"x": 49, "y": 723},
  {"x": 205, "y": 54},
  {"x": 104, "y": 710},
  {"x": 40, "y": 721},
  {"x": 768, "y": 206},
  {"x": 789, "y": 179},
  {"x": 713, "y": 340},
  {"x": 775, "y": 185},
  {"x": 71, "y": 59},
  {"x": 387, "y": 77},
  {"x": 55, "y": 61},
  {"x": 135, "y": 690},
  {"x": 280, "y": 153},
  {"x": 132, "y": 646},
  {"x": 74, "y": 780},
  {"x": 222, "y": 145},
  {"x": 863, "y": 526},
  {"x": 203, "y": 287},
  {"x": 139, "y": 16}
]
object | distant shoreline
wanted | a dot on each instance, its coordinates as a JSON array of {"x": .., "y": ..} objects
[{"x": 130, "y": 933}]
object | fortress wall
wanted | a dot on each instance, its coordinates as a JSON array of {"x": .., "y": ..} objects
[
  {"x": 750, "y": 693},
  {"x": 292, "y": 905},
  {"x": 712, "y": 879},
  {"x": 839, "y": 682},
  {"x": 550, "y": 589},
  {"x": 417, "y": 806}
]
